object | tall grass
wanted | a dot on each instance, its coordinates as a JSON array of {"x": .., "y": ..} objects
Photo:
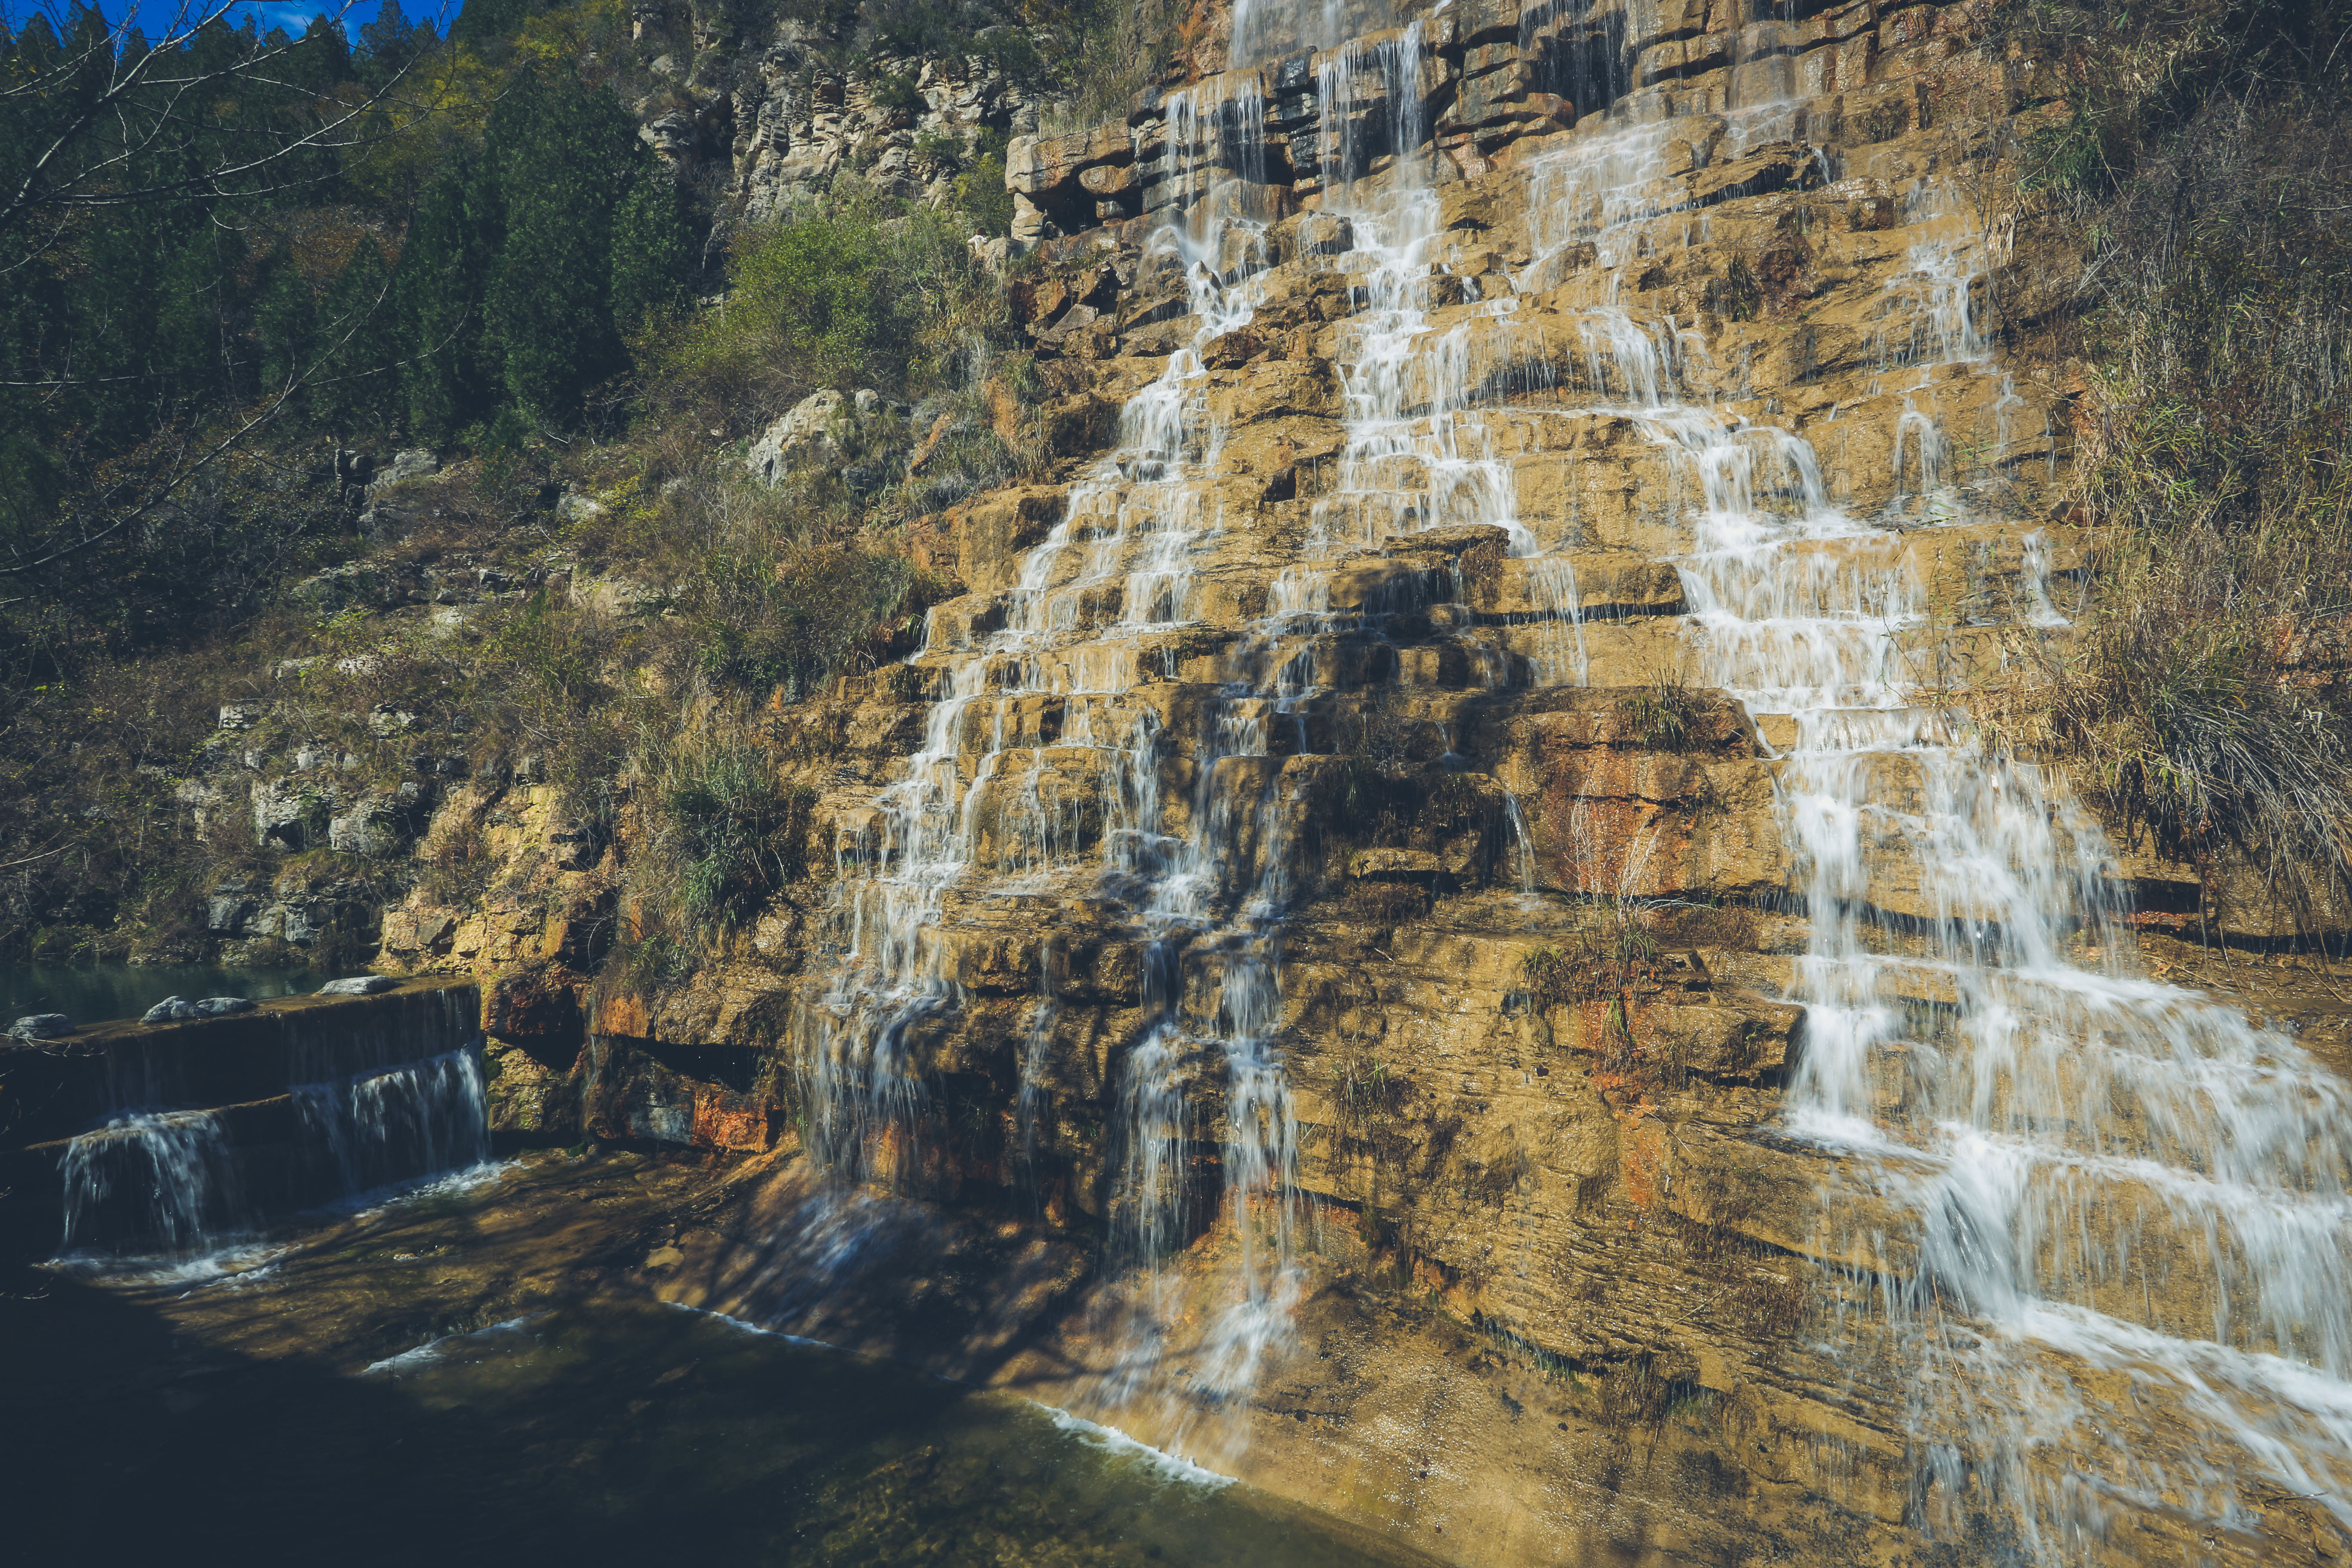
[{"x": 2206, "y": 151}]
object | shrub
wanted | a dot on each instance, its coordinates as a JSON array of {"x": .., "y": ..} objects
[
  {"x": 1664, "y": 713},
  {"x": 851, "y": 296},
  {"x": 733, "y": 832},
  {"x": 896, "y": 91},
  {"x": 2209, "y": 151}
]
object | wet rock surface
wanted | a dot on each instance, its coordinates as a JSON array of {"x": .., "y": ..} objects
[
  {"x": 481, "y": 1376},
  {"x": 1427, "y": 926}
]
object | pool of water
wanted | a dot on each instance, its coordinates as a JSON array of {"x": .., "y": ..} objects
[
  {"x": 94, "y": 992},
  {"x": 641, "y": 1416},
  {"x": 609, "y": 1430}
]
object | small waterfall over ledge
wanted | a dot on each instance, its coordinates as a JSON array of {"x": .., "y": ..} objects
[
  {"x": 2128, "y": 1204},
  {"x": 1203, "y": 879},
  {"x": 194, "y": 1135}
]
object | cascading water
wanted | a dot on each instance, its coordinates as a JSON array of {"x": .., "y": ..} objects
[
  {"x": 397, "y": 1123},
  {"x": 2113, "y": 1183},
  {"x": 1208, "y": 901},
  {"x": 176, "y": 1184},
  {"x": 164, "y": 1180},
  {"x": 2099, "y": 1170},
  {"x": 1064, "y": 754}
]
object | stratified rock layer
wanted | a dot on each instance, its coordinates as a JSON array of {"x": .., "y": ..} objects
[{"x": 1451, "y": 798}]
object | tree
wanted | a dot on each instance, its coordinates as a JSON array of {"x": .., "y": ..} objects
[
  {"x": 119, "y": 159},
  {"x": 562, "y": 153},
  {"x": 653, "y": 250},
  {"x": 109, "y": 120},
  {"x": 442, "y": 287}
]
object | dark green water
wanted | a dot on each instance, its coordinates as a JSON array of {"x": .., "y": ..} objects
[
  {"x": 94, "y": 992},
  {"x": 638, "y": 1418}
]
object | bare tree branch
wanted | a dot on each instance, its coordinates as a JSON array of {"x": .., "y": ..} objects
[{"x": 132, "y": 73}]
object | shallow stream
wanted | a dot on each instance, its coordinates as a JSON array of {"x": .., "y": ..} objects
[{"x": 650, "y": 1420}]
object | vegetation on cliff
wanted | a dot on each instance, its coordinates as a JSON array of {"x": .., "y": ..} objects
[
  {"x": 494, "y": 264},
  {"x": 490, "y": 262},
  {"x": 2205, "y": 151}
]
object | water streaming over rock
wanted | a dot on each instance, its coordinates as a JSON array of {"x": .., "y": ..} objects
[
  {"x": 184, "y": 1183},
  {"x": 2119, "y": 1225},
  {"x": 398, "y": 1124},
  {"x": 166, "y": 1180},
  {"x": 2127, "y": 1203}
]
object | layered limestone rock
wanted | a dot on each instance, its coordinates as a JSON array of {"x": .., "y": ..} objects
[
  {"x": 1458, "y": 796},
  {"x": 780, "y": 111}
]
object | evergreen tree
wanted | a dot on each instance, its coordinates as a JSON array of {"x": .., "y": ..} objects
[
  {"x": 188, "y": 354},
  {"x": 441, "y": 289},
  {"x": 285, "y": 327},
  {"x": 360, "y": 331},
  {"x": 389, "y": 45},
  {"x": 653, "y": 250},
  {"x": 563, "y": 153},
  {"x": 489, "y": 24}
]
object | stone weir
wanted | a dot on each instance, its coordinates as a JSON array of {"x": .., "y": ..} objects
[
  {"x": 173, "y": 1138},
  {"x": 1461, "y": 792}
]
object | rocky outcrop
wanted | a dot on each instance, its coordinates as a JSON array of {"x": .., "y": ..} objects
[
  {"x": 776, "y": 114},
  {"x": 1446, "y": 799}
]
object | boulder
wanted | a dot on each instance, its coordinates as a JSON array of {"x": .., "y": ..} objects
[
  {"x": 1325, "y": 233},
  {"x": 41, "y": 1027},
  {"x": 293, "y": 812},
  {"x": 357, "y": 985},
  {"x": 371, "y": 828},
  {"x": 804, "y": 437},
  {"x": 413, "y": 464},
  {"x": 340, "y": 588},
  {"x": 180, "y": 1010}
]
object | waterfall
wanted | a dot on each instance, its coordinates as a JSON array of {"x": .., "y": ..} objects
[
  {"x": 2129, "y": 1203},
  {"x": 399, "y": 1123},
  {"x": 1066, "y": 751},
  {"x": 2097, "y": 1173},
  {"x": 184, "y": 1183},
  {"x": 168, "y": 1180}
]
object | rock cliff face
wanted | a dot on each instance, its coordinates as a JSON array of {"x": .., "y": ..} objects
[
  {"x": 770, "y": 117},
  {"x": 1462, "y": 796}
]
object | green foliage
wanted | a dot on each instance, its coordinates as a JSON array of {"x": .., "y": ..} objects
[
  {"x": 786, "y": 620},
  {"x": 1118, "y": 44},
  {"x": 817, "y": 293},
  {"x": 896, "y": 91},
  {"x": 733, "y": 831},
  {"x": 441, "y": 289},
  {"x": 982, "y": 193},
  {"x": 2207, "y": 148},
  {"x": 1665, "y": 714},
  {"x": 493, "y": 24},
  {"x": 848, "y": 296},
  {"x": 255, "y": 307},
  {"x": 1740, "y": 296},
  {"x": 567, "y": 159},
  {"x": 653, "y": 248}
]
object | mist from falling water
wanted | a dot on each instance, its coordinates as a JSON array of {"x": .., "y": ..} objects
[{"x": 2099, "y": 1172}]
